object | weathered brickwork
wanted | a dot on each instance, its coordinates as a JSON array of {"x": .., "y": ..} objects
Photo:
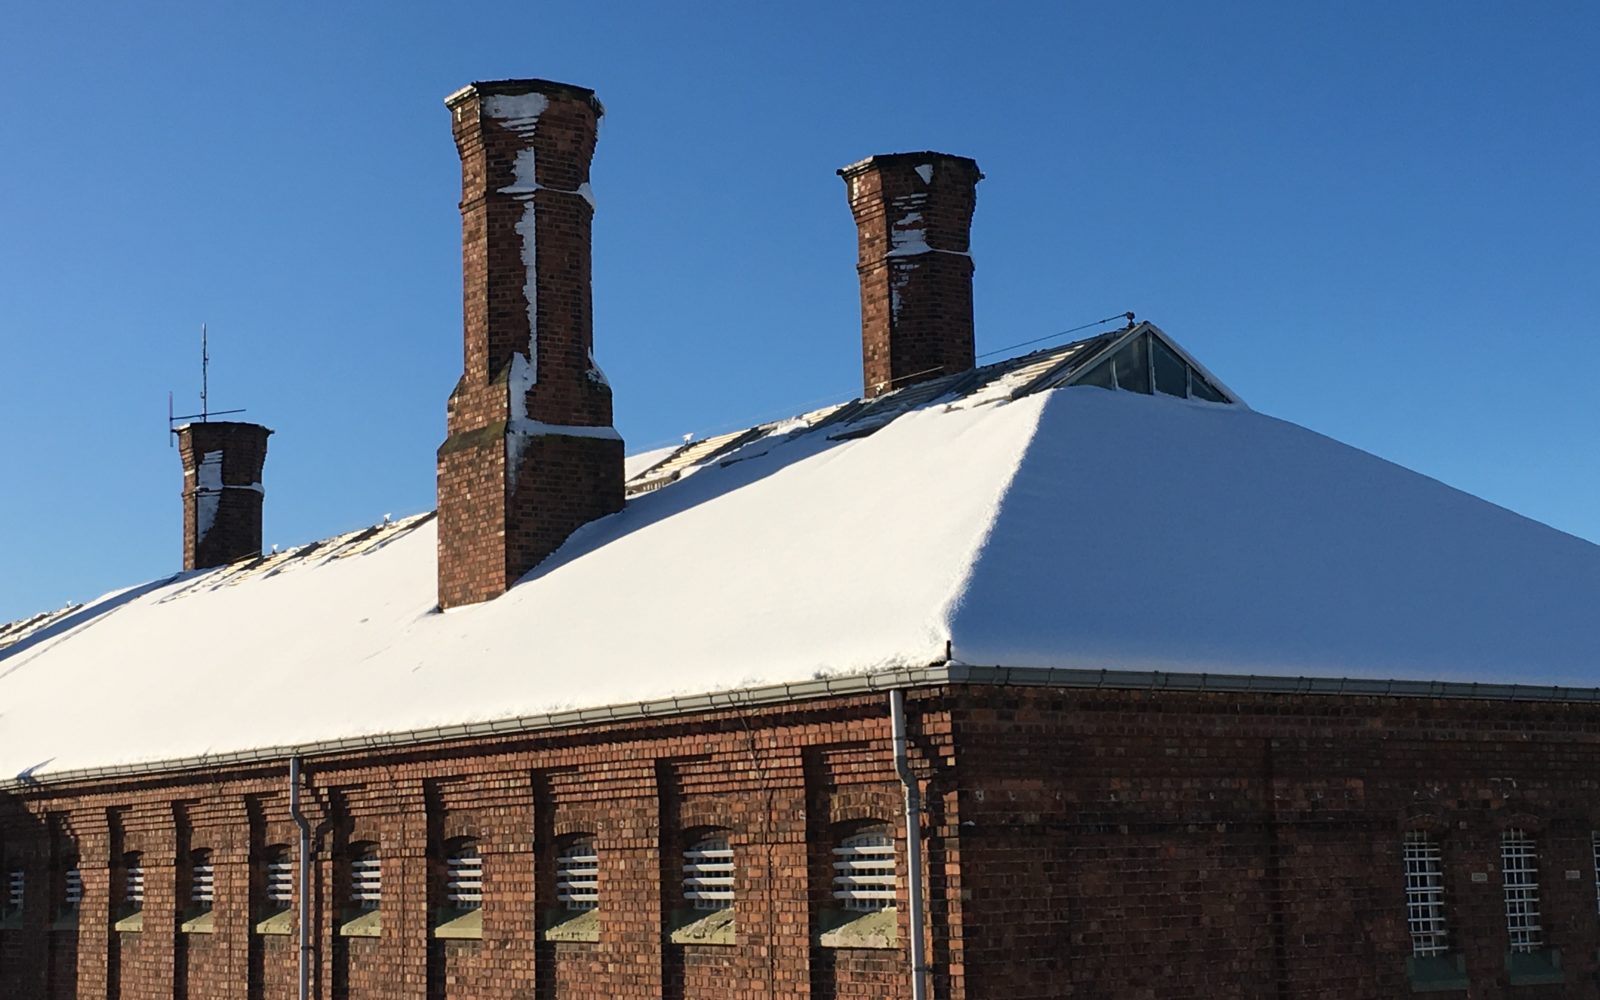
[
  {"x": 638, "y": 789},
  {"x": 512, "y": 484},
  {"x": 1088, "y": 843},
  {"x": 221, "y": 504},
  {"x": 913, "y": 215}
]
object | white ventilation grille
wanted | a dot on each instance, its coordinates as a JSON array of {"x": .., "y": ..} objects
[
  {"x": 1425, "y": 896},
  {"x": 863, "y": 871},
  {"x": 280, "y": 878},
  {"x": 366, "y": 881},
  {"x": 1519, "y": 866},
  {"x": 708, "y": 874},
  {"x": 133, "y": 884},
  {"x": 16, "y": 883},
  {"x": 578, "y": 875},
  {"x": 202, "y": 881},
  {"x": 72, "y": 888},
  {"x": 463, "y": 886}
]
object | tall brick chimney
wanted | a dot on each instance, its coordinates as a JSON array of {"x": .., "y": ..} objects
[
  {"x": 913, "y": 215},
  {"x": 531, "y": 454},
  {"x": 222, "y": 493}
]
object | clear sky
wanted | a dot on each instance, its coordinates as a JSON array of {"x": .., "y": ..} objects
[{"x": 1378, "y": 220}]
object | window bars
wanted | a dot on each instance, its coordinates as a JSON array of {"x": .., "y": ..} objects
[
  {"x": 463, "y": 882},
  {"x": 578, "y": 875},
  {"x": 202, "y": 880},
  {"x": 280, "y": 878},
  {"x": 366, "y": 880},
  {"x": 133, "y": 881},
  {"x": 1519, "y": 866},
  {"x": 16, "y": 882},
  {"x": 1425, "y": 896},
  {"x": 1596, "y": 842},
  {"x": 708, "y": 874},
  {"x": 72, "y": 887},
  {"x": 863, "y": 871}
]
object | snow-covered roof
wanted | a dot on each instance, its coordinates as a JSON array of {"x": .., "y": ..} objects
[{"x": 1000, "y": 517}]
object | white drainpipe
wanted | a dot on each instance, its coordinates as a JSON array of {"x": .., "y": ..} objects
[
  {"x": 908, "y": 781},
  {"x": 305, "y": 877}
]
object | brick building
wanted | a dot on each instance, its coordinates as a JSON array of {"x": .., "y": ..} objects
[{"x": 1069, "y": 675}]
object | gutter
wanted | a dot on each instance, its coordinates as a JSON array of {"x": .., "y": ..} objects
[
  {"x": 305, "y": 877},
  {"x": 908, "y": 781},
  {"x": 845, "y": 684}
]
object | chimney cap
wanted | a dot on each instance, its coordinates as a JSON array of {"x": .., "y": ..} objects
[
  {"x": 550, "y": 88},
  {"x": 903, "y": 159}
]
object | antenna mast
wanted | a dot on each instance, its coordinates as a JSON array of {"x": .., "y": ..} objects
[{"x": 204, "y": 415}]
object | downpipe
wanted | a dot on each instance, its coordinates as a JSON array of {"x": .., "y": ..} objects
[
  {"x": 305, "y": 878},
  {"x": 908, "y": 782}
]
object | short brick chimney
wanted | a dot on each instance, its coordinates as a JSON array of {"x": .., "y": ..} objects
[
  {"x": 913, "y": 215},
  {"x": 222, "y": 493},
  {"x": 531, "y": 454}
]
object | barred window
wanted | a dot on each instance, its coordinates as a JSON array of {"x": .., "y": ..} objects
[
  {"x": 708, "y": 874},
  {"x": 1595, "y": 839},
  {"x": 366, "y": 877},
  {"x": 202, "y": 880},
  {"x": 280, "y": 877},
  {"x": 16, "y": 883},
  {"x": 463, "y": 880},
  {"x": 1519, "y": 866},
  {"x": 72, "y": 888},
  {"x": 1425, "y": 896},
  {"x": 133, "y": 880},
  {"x": 578, "y": 873},
  {"x": 863, "y": 871}
]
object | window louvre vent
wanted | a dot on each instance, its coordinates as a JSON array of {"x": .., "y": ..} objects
[
  {"x": 202, "y": 881},
  {"x": 708, "y": 874},
  {"x": 1425, "y": 896},
  {"x": 366, "y": 880},
  {"x": 72, "y": 887},
  {"x": 1519, "y": 866},
  {"x": 863, "y": 871},
  {"x": 280, "y": 878},
  {"x": 1595, "y": 838},
  {"x": 133, "y": 884},
  {"x": 463, "y": 885},
  {"x": 578, "y": 875},
  {"x": 16, "y": 881}
]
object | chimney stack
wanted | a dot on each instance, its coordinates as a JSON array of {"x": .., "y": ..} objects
[
  {"x": 222, "y": 493},
  {"x": 913, "y": 215},
  {"x": 531, "y": 454}
]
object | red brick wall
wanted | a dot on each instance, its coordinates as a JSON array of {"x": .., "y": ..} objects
[
  {"x": 916, "y": 310},
  {"x": 1178, "y": 845},
  {"x": 767, "y": 776},
  {"x": 1077, "y": 843}
]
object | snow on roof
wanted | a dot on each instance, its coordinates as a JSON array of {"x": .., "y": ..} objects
[{"x": 1067, "y": 527}]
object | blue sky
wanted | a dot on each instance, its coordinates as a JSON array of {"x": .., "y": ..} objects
[{"x": 1377, "y": 220}]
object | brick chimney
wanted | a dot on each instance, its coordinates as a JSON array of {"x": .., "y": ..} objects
[
  {"x": 531, "y": 454},
  {"x": 222, "y": 493},
  {"x": 913, "y": 215}
]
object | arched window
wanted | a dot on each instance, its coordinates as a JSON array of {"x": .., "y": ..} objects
[
  {"x": 366, "y": 877},
  {"x": 278, "y": 865},
  {"x": 864, "y": 869},
  {"x": 578, "y": 872},
  {"x": 708, "y": 873},
  {"x": 1519, "y": 869},
  {"x": 202, "y": 881},
  {"x": 463, "y": 877},
  {"x": 132, "y": 882},
  {"x": 1425, "y": 916}
]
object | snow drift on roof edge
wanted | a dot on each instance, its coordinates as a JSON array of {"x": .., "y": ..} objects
[{"x": 1197, "y": 538}]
